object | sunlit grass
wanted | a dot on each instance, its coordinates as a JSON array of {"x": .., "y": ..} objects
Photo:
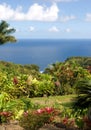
[{"x": 54, "y": 100}]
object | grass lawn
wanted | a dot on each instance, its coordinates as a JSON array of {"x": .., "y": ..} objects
[{"x": 53, "y": 100}]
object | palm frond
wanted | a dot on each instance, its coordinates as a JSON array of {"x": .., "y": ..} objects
[
  {"x": 83, "y": 100},
  {"x": 5, "y": 33}
]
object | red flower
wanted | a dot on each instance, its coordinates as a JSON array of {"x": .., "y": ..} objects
[
  {"x": 5, "y": 114},
  {"x": 65, "y": 120},
  {"x": 15, "y": 80},
  {"x": 49, "y": 109},
  {"x": 45, "y": 110}
]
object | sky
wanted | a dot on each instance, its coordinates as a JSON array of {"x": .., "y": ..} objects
[{"x": 48, "y": 19}]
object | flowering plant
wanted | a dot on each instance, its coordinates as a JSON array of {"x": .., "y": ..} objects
[
  {"x": 68, "y": 122},
  {"x": 5, "y": 116},
  {"x": 37, "y": 118}
]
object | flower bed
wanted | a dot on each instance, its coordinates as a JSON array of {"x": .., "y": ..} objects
[{"x": 47, "y": 118}]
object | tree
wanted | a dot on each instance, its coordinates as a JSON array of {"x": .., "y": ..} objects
[{"x": 5, "y": 33}]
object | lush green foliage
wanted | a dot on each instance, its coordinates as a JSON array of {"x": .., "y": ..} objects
[
  {"x": 20, "y": 83},
  {"x": 12, "y": 69},
  {"x": 83, "y": 99},
  {"x": 59, "y": 79},
  {"x": 67, "y": 75},
  {"x": 5, "y": 32}
]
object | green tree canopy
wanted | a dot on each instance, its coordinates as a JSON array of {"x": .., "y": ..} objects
[{"x": 5, "y": 33}]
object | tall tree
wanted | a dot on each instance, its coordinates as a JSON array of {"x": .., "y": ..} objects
[{"x": 5, "y": 33}]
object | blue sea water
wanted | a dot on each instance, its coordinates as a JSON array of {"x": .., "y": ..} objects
[{"x": 44, "y": 52}]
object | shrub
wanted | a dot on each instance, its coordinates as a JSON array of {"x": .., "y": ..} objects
[
  {"x": 39, "y": 88},
  {"x": 18, "y": 106},
  {"x": 5, "y": 116},
  {"x": 32, "y": 120}
]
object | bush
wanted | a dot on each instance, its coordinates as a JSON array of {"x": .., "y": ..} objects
[
  {"x": 5, "y": 116},
  {"x": 32, "y": 120},
  {"x": 39, "y": 88}
]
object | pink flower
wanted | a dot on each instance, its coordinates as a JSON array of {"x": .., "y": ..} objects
[
  {"x": 26, "y": 113},
  {"x": 43, "y": 110},
  {"x": 39, "y": 111},
  {"x": 49, "y": 109}
]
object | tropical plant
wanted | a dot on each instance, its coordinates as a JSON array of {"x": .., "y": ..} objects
[
  {"x": 5, "y": 116},
  {"x": 82, "y": 103},
  {"x": 4, "y": 98},
  {"x": 67, "y": 74},
  {"x": 33, "y": 120},
  {"x": 5, "y": 32},
  {"x": 44, "y": 86},
  {"x": 83, "y": 99}
]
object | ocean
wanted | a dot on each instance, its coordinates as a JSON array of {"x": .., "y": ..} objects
[{"x": 44, "y": 52}]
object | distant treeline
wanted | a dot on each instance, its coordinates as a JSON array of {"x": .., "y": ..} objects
[
  {"x": 84, "y": 62},
  {"x": 18, "y": 68}
]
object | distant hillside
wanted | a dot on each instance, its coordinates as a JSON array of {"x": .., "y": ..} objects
[
  {"x": 82, "y": 61},
  {"x": 10, "y": 67}
]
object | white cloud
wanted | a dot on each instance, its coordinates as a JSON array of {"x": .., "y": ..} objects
[
  {"x": 53, "y": 29},
  {"x": 68, "y": 30},
  {"x": 18, "y": 14},
  {"x": 31, "y": 28},
  {"x": 6, "y": 12},
  {"x": 88, "y": 17},
  {"x": 41, "y": 13},
  {"x": 36, "y": 12},
  {"x": 67, "y": 18}
]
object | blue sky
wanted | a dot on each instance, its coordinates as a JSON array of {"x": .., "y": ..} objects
[{"x": 59, "y": 19}]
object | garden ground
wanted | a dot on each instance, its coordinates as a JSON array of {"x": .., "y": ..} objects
[
  {"x": 45, "y": 101},
  {"x": 46, "y": 127}
]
